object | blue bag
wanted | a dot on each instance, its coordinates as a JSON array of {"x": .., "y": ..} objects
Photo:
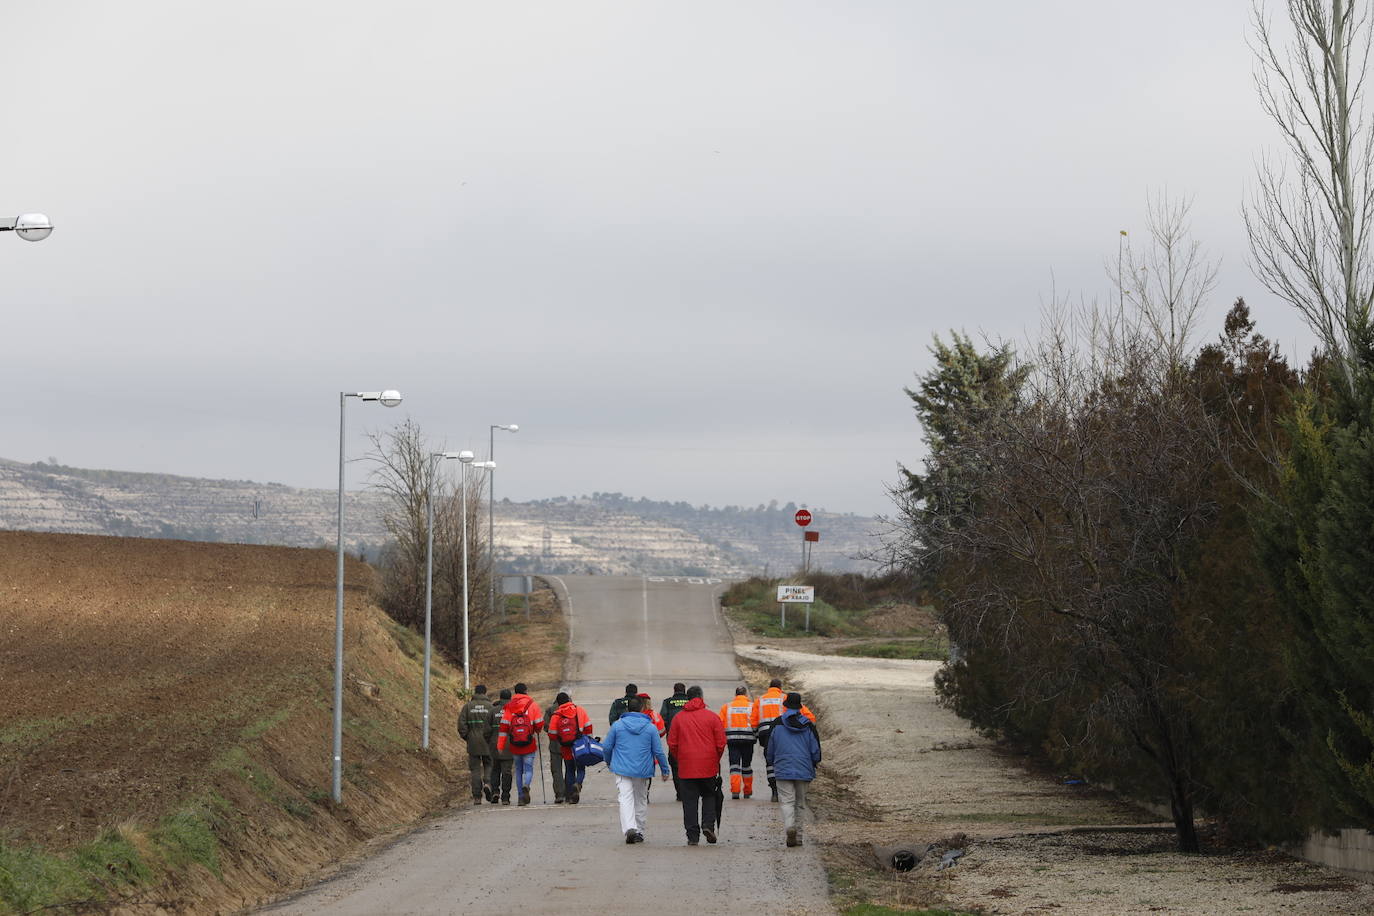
[{"x": 587, "y": 751}]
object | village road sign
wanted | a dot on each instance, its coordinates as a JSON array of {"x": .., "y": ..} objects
[
  {"x": 796, "y": 594},
  {"x": 803, "y": 517}
]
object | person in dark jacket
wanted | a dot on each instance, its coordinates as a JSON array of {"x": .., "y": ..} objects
[
  {"x": 671, "y": 707},
  {"x": 793, "y": 751},
  {"x": 619, "y": 704},
  {"x": 697, "y": 740},
  {"x": 502, "y": 760},
  {"x": 476, "y": 724}
]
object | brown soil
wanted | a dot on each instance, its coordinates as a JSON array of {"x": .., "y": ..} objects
[{"x": 139, "y": 676}]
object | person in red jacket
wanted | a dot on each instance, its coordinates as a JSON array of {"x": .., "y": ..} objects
[
  {"x": 521, "y": 722},
  {"x": 567, "y": 722},
  {"x": 697, "y": 739}
]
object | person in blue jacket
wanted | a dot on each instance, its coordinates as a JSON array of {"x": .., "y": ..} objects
[
  {"x": 632, "y": 746},
  {"x": 793, "y": 751}
]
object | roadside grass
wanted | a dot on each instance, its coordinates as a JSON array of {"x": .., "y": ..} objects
[
  {"x": 848, "y": 606},
  {"x": 96, "y": 875},
  {"x": 929, "y": 649},
  {"x": 874, "y": 909}
]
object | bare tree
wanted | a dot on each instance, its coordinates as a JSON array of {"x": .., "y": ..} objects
[
  {"x": 448, "y": 562},
  {"x": 403, "y": 472},
  {"x": 1309, "y": 231},
  {"x": 1169, "y": 283}
]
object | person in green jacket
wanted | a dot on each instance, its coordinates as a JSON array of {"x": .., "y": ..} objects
[
  {"x": 556, "y": 767},
  {"x": 477, "y": 722},
  {"x": 502, "y": 761}
]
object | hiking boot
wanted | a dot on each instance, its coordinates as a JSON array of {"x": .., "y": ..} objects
[
  {"x": 524, "y": 797},
  {"x": 630, "y": 837},
  {"x": 709, "y": 834},
  {"x": 792, "y": 839},
  {"x": 488, "y": 794},
  {"x": 693, "y": 841},
  {"x": 575, "y": 795},
  {"x": 735, "y": 796},
  {"x": 557, "y": 800},
  {"x": 477, "y": 799},
  {"x": 639, "y": 837},
  {"x": 748, "y": 794},
  {"x": 505, "y": 800}
]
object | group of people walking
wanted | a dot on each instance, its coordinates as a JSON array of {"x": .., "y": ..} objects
[{"x": 683, "y": 741}]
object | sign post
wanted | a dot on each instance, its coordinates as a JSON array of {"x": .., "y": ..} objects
[
  {"x": 796, "y": 594},
  {"x": 803, "y": 518}
]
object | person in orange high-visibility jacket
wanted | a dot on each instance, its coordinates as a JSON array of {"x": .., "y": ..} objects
[
  {"x": 737, "y": 717},
  {"x": 766, "y": 712}
]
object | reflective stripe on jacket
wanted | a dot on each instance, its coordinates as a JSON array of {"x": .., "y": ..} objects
[{"x": 737, "y": 717}]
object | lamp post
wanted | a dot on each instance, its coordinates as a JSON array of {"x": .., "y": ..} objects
[
  {"x": 491, "y": 508},
  {"x": 429, "y": 577},
  {"x": 387, "y": 398},
  {"x": 488, "y": 466},
  {"x": 31, "y": 227}
]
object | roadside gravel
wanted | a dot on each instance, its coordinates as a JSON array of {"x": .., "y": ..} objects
[{"x": 901, "y": 771}]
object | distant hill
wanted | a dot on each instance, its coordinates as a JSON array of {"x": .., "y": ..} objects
[{"x": 605, "y": 533}]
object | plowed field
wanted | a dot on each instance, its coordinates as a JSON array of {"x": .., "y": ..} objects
[{"x": 128, "y": 666}]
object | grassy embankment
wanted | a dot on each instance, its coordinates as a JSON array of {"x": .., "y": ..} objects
[
  {"x": 853, "y": 615},
  {"x": 165, "y": 736}
]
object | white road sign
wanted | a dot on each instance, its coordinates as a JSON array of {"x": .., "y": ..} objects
[{"x": 796, "y": 594}]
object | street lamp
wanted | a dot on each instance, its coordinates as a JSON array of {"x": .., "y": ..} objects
[
  {"x": 489, "y": 467},
  {"x": 387, "y": 398},
  {"x": 429, "y": 576},
  {"x": 31, "y": 227},
  {"x": 491, "y": 509}
]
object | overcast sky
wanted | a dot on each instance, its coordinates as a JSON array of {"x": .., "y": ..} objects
[{"x": 695, "y": 250}]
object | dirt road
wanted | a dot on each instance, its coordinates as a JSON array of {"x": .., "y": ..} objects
[
  {"x": 903, "y": 771},
  {"x": 573, "y": 859}
]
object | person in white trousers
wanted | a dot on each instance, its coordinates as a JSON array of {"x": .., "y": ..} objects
[{"x": 632, "y": 748}]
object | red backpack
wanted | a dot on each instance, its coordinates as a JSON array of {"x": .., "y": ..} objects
[
  {"x": 520, "y": 731},
  {"x": 567, "y": 729}
]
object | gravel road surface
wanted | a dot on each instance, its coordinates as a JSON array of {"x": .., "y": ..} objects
[{"x": 573, "y": 858}]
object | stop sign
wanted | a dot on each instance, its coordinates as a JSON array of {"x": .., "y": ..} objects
[{"x": 803, "y": 517}]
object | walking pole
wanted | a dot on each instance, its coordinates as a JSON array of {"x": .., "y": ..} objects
[{"x": 539, "y": 749}]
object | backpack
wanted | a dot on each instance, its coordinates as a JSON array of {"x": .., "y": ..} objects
[
  {"x": 567, "y": 730},
  {"x": 587, "y": 751},
  {"x": 521, "y": 729}
]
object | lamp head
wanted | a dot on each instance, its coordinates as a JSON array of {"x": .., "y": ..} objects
[
  {"x": 513, "y": 428},
  {"x": 33, "y": 227},
  {"x": 390, "y": 398},
  {"x": 464, "y": 456}
]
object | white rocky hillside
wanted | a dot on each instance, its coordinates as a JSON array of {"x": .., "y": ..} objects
[{"x": 602, "y": 533}]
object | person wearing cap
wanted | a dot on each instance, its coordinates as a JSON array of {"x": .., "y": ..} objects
[
  {"x": 739, "y": 738},
  {"x": 477, "y": 722},
  {"x": 793, "y": 750},
  {"x": 502, "y": 760},
  {"x": 671, "y": 707},
  {"x": 697, "y": 739},
  {"x": 767, "y": 709},
  {"x": 568, "y": 722},
  {"x": 618, "y": 705}
]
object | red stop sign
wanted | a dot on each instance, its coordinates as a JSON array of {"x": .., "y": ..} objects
[{"x": 803, "y": 517}]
